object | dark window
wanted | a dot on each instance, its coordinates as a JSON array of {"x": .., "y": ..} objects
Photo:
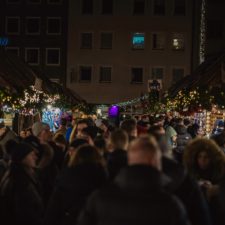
[
  {"x": 139, "y": 7},
  {"x": 105, "y": 74},
  {"x": 13, "y": 1},
  {"x": 32, "y": 56},
  {"x": 12, "y": 25},
  {"x": 158, "y": 41},
  {"x": 86, "y": 40},
  {"x": 85, "y": 73},
  {"x": 14, "y": 51},
  {"x": 87, "y": 7},
  {"x": 178, "y": 74},
  {"x": 137, "y": 75},
  {"x": 54, "y": 25},
  {"x": 157, "y": 73},
  {"x": 159, "y": 7},
  {"x": 54, "y": 1},
  {"x": 138, "y": 41},
  {"x": 53, "y": 57},
  {"x": 33, "y": 25},
  {"x": 215, "y": 29},
  {"x": 107, "y": 6},
  {"x": 179, "y": 7},
  {"x": 34, "y": 1},
  {"x": 106, "y": 40}
]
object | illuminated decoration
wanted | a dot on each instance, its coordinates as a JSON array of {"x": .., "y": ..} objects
[
  {"x": 4, "y": 41},
  {"x": 202, "y": 32},
  {"x": 114, "y": 111},
  {"x": 138, "y": 40}
]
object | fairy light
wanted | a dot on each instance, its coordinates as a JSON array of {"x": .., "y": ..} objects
[{"x": 202, "y": 32}]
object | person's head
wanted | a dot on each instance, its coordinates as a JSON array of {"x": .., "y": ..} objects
[
  {"x": 204, "y": 154},
  {"x": 60, "y": 140},
  {"x": 42, "y": 131},
  {"x": 156, "y": 130},
  {"x": 130, "y": 126},
  {"x": 81, "y": 124},
  {"x": 100, "y": 144},
  {"x": 22, "y": 133},
  {"x": 119, "y": 139},
  {"x": 220, "y": 139},
  {"x": 75, "y": 144},
  {"x": 23, "y": 154},
  {"x": 89, "y": 133},
  {"x": 29, "y": 132},
  {"x": 144, "y": 151},
  {"x": 180, "y": 121},
  {"x": 187, "y": 122},
  {"x": 86, "y": 154}
]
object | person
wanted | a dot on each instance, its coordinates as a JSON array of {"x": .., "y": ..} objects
[
  {"x": 137, "y": 194},
  {"x": 117, "y": 158},
  {"x": 171, "y": 134},
  {"x": 20, "y": 196},
  {"x": 42, "y": 131},
  {"x": 85, "y": 174},
  {"x": 89, "y": 133},
  {"x": 23, "y": 134},
  {"x": 29, "y": 132},
  {"x": 70, "y": 129},
  {"x": 220, "y": 140},
  {"x": 130, "y": 126},
  {"x": 62, "y": 129}
]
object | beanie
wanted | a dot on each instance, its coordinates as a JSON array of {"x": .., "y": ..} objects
[
  {"x": 20, "y": 151},
  {"x": 38, "y": 127}
]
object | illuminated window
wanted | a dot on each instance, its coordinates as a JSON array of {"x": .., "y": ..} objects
[
  {"x": 137, "y": 75},
  {"x": 158, "y": 41},
  {"x": 178, "y": 41},
  {"x": 138, "y": 41}
]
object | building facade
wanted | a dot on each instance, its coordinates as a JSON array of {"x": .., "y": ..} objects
[
  {"x": 36, "y": 31},
  {"x": 115, "y": 47}
]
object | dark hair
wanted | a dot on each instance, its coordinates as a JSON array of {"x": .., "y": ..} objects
[
  {"x": 78, "y": 142},
  {"x": 119, "y": 139},
  {"x": 60, "y": 139},
  {"x": 129, "y": 125},
  {"x": 219, "y": 139},
  {"x": 100, "y": 142},
  {"x": 63, "y": 122}
]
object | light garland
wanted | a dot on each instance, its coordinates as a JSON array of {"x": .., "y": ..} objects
[{"x": 202, "y": 32}]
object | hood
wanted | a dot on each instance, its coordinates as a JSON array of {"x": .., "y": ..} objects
[{"x": 141, "y": 178}]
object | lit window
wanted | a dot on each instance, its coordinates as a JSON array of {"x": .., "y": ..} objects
[
  {"x": 157, "y": 73},
  {"x": 53, "y": 56},
  {"x": 139, "y": 7},
  {"x": 138, "y": 41},
  {"x": 12, "y": 25},
  {"x": 105, "y": 74},
  {"x": 159, "y": 7},
  {"x": 85, "y": 73},
  {"x": 178, "y": 74},
  {"x": 32, "y": 56},
  {"x": 86, "y": 40},
  {"x": 178, "y": 42},
  {"x": 54, "y": 25},
  {"x": 106, "y": 40},
  {"x": 33, "y": 25},
  {"x": 13, "y": 50},
  {"x": 158, "y": 41},
  {"x": 137, "y": 75}
]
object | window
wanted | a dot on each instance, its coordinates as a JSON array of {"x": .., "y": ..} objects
[
  {"x": 87, "y": 7},
  {"x": 32, "y": 56},
  {"x": 86, "y": 40},
  {"x": 107, "y": 7},
  {"x": 105, "y": 74},
  {"x": 12, "y": 25},
  {"x": 178, "y": 42},
  {"x": 13, "y": 1},
  {"x": 138, "y": 41},
  {"x": 158, "y": 41},
  {"x": 54, "y": 25},
  {"x": 139, "y": 7},
  {"x": 106, "y": 40},
  {"x": 179, "y": 7},
  {"x": 215, "y": 29},
  {"x": 33, "y": 25},
  {"x": 137, "y": 75},
  {"x": 157, "y": 73},
  {"x": 54, "y": 2},
  {"x": 53, "y": 56},
  {"x": 13, "y": 50},
  {"x": 85, "y": 73},
  {"x": 178, "y": 74},
  {"x": 33, "y": 1},
  {"x": 159, "y": 7}
]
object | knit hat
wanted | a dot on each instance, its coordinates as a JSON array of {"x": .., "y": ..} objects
[
  {"x": 38, "y": 127},
  {"x": 20, "y": 151}
]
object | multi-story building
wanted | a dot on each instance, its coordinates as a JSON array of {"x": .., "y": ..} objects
[
  {"x": 116, "y": 46},
  {"x": 36, "y": 31}
]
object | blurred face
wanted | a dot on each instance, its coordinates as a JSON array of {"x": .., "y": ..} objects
[
  {"x": 80, "y": 127},
  {"x": 203, "y": 160},
  {"x": 2, "y": 131},
  {"x": 28, "y": 133},
  {"x": 45, "y": 135},
  {"x": 22, "y": 134},
  {"x": 30, "y": 160}
]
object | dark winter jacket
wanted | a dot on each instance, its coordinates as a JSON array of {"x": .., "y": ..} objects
[
  {"x": 74, "y": 186},
  {"x": 20, "y": 199},
  {"x": 116, "y": 160},
  {"x": 188, "y": 191},
  {"x": 136, "y": 198}
]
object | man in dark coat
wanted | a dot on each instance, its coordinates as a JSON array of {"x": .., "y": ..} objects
[{"x": 137, "y": 195}]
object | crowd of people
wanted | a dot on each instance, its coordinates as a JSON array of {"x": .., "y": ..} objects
[{"x": 159, "y": 172}]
